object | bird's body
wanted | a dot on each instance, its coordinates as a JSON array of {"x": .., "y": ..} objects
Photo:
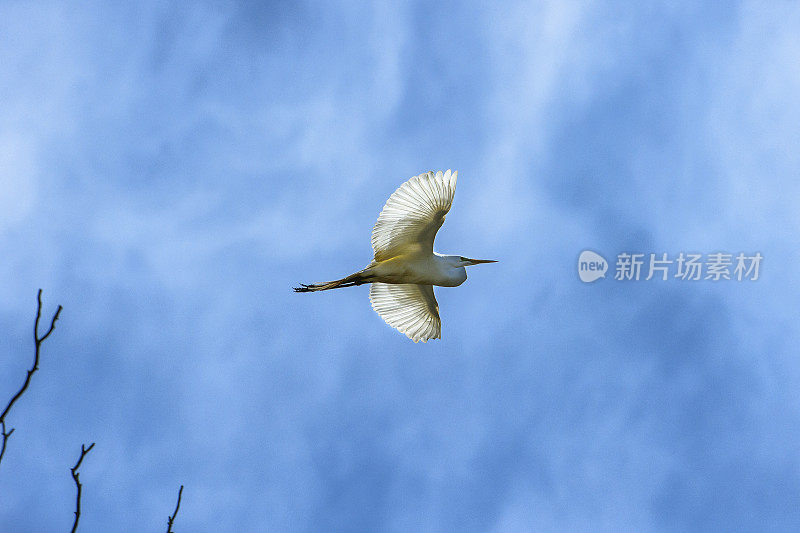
[
  {"x": 419, "y": 268},
  {"x": 405, "y": 267}
]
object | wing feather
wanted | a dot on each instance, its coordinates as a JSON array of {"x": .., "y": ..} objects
[
  {"x": 413, "y": 214},
  {"x": 411, "y": 309}
]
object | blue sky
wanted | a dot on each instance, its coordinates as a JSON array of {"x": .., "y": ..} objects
[{"x": 169, "y": 171}]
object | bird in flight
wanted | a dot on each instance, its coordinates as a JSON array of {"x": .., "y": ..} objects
[{"x": 405, "y": 267}]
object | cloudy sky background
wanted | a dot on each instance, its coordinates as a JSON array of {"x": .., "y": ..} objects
[{"x": 168, "y": 172}]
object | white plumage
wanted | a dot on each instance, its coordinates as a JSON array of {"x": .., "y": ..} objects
[
  {"x": 413, "y": 214},
  {"x": 405, "y": 267},
  {"x": 408, "y": 307}
]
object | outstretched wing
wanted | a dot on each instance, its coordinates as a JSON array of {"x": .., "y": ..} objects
[
  {"x": 413, "y": 214},
  {"x": 410, "y": 308}
]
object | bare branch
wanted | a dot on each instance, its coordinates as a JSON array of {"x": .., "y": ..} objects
[
  {"x": 172, "y": 518},
  {"x": 76, "y": 477},
  {"x": 38, "y": 340},
  {"x": 6, "y": 434}
]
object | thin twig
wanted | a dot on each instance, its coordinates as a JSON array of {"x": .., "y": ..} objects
[
  {"x": 38, "y": 340},
  {"x": 6, "y": 434},
  {"x": 172, "y": 518},
  {"x": 76, "y": 477}
]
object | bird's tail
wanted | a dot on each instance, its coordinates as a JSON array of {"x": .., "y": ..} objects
[{"x": 359, "y": 278}]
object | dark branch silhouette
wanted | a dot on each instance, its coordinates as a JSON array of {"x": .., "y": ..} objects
[
  {"x": 84, "y": 450},
  {"x": 76, "y": 477},
  {"x": 172, "y": 518},
  {"x": 38, "y": 340},
  {"x": 6, "y": 434}
]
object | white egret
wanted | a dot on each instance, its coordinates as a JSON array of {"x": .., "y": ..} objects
[{"x": 405, "y": 267}]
